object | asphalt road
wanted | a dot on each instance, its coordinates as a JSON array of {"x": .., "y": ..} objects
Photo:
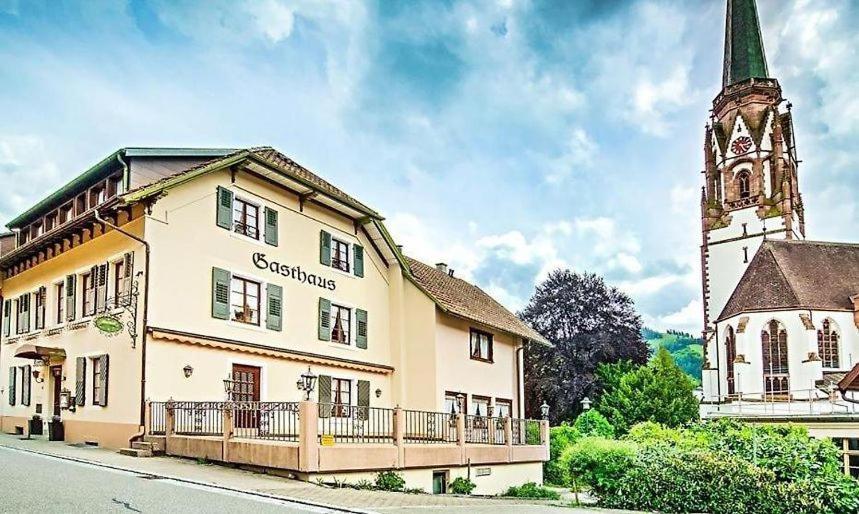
[{"x": 37, "y": 483}]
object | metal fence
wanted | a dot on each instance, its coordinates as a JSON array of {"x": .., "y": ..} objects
[
  {"x": 351, "y": 424},
  {"x": 158, "y": 418},
  {"x": 198, "y": 418},
  {"x": 425, "y": 427},
  {"x": 477, "y": 429},
  {"x": 274, "y": 421},
  {"x": 526, "y": 431}
]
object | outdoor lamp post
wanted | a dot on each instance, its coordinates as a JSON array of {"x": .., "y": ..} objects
[
  {"x": 586, "y": 404},
  {"x": 228, "y": 387},
  {"x": 306, "y": 382},
  {"x": 544, "y": 410}
]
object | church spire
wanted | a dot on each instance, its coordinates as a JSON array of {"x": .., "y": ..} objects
[{"x": 744, "y": 47}]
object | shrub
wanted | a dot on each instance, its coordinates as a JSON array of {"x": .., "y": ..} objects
[
  {"x": 599, "y": 462},
  {"x": 532, "y": 432},
  {"x": 461, "y": 485},
  {"x": 532, "y": 490},
  {"x": 592, "y": 423},
  {"x": 560, "y": 438},
  {"x": 390, "y": 481}
]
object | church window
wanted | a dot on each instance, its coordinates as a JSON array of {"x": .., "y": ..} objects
[
  {"x": 827, "y": 345},
  {"x": 775, "y": 363},
  {"x": 743, "y": 183},
  {"x": 731, "y": 356}
]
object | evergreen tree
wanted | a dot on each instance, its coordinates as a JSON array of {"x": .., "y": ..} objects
[{"x": 659, "y": 392}]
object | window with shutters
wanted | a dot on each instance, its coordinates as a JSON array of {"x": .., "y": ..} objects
[
  {"x": 60, "y": 303},
  {"x": 23, "y": 318},
  {"x": 340, "y": 255},
  {"x": 827, "y": 344},
  {"x": 41, "y": 300},
  {"x": 97, "y": 381},
  {"x": 341, "y": 324},
  {"x": 341, "y": 397},
  {"x": 244, "y": 300},
  {"x": 481, "y": 345},
  {"x": 246, "y": 218},
  {"x": 88, "y": 282}
]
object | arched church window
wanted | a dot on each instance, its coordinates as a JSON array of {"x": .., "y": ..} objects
[
  {"x": 827, "y": 345},
  {"x": 775, "y": 363},
  {"x": 744, "y": 185},
  {"x": 731, "y": 356}
]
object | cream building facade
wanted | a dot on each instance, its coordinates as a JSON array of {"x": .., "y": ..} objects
[{"x": 220, "y": 275}]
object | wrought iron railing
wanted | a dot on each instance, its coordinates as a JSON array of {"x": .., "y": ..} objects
[
  {"x": 352, "y": 424},
  {"x": 526, "y": 432},
  {"x": 198, "y": 418},
  {"x": 274, "y": 421},
  {"x": 157, "y": 418},
  {"x": 477, "y": 429},
  {"x": 423, "y": 427}
]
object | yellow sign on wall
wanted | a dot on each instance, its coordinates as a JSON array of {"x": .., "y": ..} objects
[{"x": 327, "y": 440}]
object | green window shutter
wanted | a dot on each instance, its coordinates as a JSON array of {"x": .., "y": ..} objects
[
  {"x": 13, "y": 376},
  {"x": 270, "y": 226},
  {"x": 70, "y": 297},
  {"x": 325, "y": 248},
  {"x": 80, "y": 381},
  {"x": 225, "y": 208},
  {"x": 25, "y": 385},
  {"x": 363, "y": 399},
  {"x": 221, "y": 293},
  {"x": 361, "y": 322},
  {"x": 7, "y": 317},
  {"x": 324, "y": 396},
  {"x": 102, "y": 379},
  {"x": 274, "y": 310},
  {"x": 359, "y": 260},
  {"x": 26, "y": 316},
  {"x": 324, "y": 319},
  {"x": 101, "y": 281}
]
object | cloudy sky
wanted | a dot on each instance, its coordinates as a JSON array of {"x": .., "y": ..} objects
[{"x": 506, "y": 137}]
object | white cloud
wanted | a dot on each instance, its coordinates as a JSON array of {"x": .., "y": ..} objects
[
  {"x": 273, "y": 18},
  {"x": 688, "y": 319},
  {"x": 26, "y": 167}
]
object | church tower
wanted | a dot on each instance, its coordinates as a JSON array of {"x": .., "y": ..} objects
[{"x": 750, "y": 188}]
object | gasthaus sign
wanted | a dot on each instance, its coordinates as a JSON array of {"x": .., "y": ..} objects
[{"x": 293, "y": 272}]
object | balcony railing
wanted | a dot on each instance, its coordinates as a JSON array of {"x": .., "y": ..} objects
[
  {"x": 785, "y": 403},
  {"x": 424, "y": 427},
  {"x": 198, "y": 418},
  {"x": 273, "y": 421},
  {"x": 157, "y": 418},
  {"x": 351, "y": 424},
  {"x": 526, "y": 432}
]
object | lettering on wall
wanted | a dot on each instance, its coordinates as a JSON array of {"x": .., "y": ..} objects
[{"x": 293, "y": 272}]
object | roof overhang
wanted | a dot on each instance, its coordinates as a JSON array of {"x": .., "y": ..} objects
[{"x": 32, "y": 351}]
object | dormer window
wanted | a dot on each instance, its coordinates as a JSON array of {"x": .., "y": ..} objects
[
  {"x": 36, "y": 229},
  {"x": 114, "y": 186},
  {"x": 66, "y": 213},
  {"x": 97, "y": 196}
]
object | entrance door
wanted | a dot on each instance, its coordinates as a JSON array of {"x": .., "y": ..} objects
[
  {"x": 57, "y": 378},
  {"x": 439, "y": 482},
  {"x": 246, "y": 380}
]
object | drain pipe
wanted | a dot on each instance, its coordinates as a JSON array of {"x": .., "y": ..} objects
[{"x": 145, "y": 318}]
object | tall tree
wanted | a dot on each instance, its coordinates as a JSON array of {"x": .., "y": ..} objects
[{"x": 588, "y": 322}]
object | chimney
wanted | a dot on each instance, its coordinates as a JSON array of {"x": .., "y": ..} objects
[
  {"x": 855, "y": 299},
  {"x": 441, "y": 266},
  {"x": 450, "y": 272}
]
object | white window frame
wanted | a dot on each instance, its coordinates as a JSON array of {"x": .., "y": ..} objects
[{"x": 263, "y": 295}]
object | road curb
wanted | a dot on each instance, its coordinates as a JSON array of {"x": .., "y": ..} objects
[{"x": 250, "y": 492}]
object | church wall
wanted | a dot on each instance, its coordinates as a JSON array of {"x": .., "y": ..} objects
[{"x": 803, "y": 373}]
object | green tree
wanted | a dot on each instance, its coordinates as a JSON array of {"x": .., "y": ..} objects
[{"x": 659, "y": 391}]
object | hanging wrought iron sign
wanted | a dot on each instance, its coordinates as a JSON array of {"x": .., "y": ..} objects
[
  {"x": 108, "y": 324},
  {"x": 110, "y": 321}
]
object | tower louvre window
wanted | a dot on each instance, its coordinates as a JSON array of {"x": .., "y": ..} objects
[{"x": 743, "y": 183}]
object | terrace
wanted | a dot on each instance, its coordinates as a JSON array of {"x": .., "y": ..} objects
[{"x": 309, "y": 437}]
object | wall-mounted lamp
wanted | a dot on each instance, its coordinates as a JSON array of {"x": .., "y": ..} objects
[
  {"x": 306, "y": 382},
  {"x": 378, "y": 393},
  {"x": 188, "y": 370},
  {"x": 36, "y": 377}
]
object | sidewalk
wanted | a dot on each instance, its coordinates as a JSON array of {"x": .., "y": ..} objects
[{"x": 349, "y": 500}]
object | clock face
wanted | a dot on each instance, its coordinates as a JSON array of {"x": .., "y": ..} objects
[{"x": 741, "y": 145}]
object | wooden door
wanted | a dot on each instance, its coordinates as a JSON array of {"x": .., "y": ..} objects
[{"x": 246, "y": 388}]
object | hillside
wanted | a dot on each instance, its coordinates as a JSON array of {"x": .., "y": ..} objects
[{"x": 688, "y": 351}]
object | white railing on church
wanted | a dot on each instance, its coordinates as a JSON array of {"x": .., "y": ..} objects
[{"x": 795, "y": 402}]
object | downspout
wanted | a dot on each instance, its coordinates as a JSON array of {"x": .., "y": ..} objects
[
  {"x": 145, "y": 244},
  {"x": 520, "y": 411}
]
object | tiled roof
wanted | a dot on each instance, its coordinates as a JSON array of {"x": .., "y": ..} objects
[
  {"x": 275, "y": 159},
  {"x": 468, "y": 301},
  {"x": 790, "y": 274}
]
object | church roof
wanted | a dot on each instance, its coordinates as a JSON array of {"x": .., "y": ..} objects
[
  {"x": 790, "y": 274},
  {"x": 744, "y": 47}
]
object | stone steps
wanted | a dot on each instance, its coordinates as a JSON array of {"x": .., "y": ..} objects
[{"x": 139, "y": 449}]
